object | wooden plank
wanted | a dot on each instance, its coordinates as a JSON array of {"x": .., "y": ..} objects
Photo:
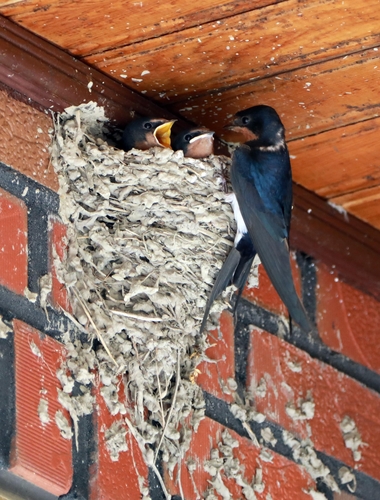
[
  {"x": 364, "y": 204},
  {"x": 338, "y": 161},
  {"x": 5, "y": 3},
  {"x": 256, "y": 44},
  {"x": 55, "y": 80},
  {"x": 348, "y": 244},
  {"x": 309, "y": 100},
  {"x": 88, "y": 27}
]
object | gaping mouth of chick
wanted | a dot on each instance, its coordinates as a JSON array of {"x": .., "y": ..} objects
[{"x": 162, "y": 134}]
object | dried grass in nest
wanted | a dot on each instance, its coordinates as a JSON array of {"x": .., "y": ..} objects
[{"x": 147, "y": 233}]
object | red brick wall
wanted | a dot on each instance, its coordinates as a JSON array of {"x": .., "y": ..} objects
[{"x": 261, "y": 383}]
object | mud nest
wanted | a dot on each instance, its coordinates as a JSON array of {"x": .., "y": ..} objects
[{"x": 147, "y": 231}]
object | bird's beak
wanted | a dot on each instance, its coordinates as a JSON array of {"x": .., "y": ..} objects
[
  {"x": 242, "y": 131},
  {"x": 206, "y": 135},
  {"x": 162, "y": 134},
  {"x": 232, "y": 126}
]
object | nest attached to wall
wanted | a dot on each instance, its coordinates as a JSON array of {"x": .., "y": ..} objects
[{"x": 147, "y": 233}]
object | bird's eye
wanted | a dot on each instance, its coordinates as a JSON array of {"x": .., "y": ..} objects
[
  {"x": 148, "y": 125},
  {"x": 187, "y": 137},
  {"x": 245, "y": 120}
]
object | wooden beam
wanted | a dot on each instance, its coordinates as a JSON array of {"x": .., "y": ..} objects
[
  {"x": 256, "y": 44},
  {"x": 48, "y": 76},
  {"x": 84, "y": 28},
  {"x": 340, "y": 240},
  {"x": 53, "y": 79}
]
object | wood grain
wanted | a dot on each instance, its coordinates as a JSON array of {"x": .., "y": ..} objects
[
  {"x": 338, "y": 161},
  {"x": 364, "y": 204},
  {"x": 317, "y": 229},
  {"x": 309, "y": 100},
  {"x": 88, "y": 27},
  {"x": 53, "y": 79},
  {"x": 256, "y": 44}
]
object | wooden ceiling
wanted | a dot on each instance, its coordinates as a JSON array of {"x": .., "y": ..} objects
[{"x": 315, "y": 61}]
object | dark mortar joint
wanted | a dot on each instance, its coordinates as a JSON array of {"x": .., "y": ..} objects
[
  {"x": 7, "y": 398},
  {"x": 83, "y": 457}
]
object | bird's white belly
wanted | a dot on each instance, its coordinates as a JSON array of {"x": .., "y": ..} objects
[{"x": 241, "y": 227}]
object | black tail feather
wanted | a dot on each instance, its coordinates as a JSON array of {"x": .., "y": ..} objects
[{"x": 223, "y": 279}]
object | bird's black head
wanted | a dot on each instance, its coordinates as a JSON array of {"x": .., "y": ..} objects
[
  {"x": 195, "y": 143},
  {"x": 144, "y": 133},
  {"x": 260, "y": 123}
]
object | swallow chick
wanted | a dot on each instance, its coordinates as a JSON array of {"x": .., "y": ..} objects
[
  {"x": 195, "y": 143},
  {"x": 145, "y": 133},
  {"x": 262, "y": 183}
]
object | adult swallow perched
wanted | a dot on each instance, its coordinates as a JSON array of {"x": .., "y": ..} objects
[
  {"x": 262, "y": 183},
  {"x": 145, "y": 133},
  {"x": 195, "y": 143}
]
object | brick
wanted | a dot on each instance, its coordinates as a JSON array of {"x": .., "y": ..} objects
[
  {"x": 288, "y": 376},
  {"x": 116, "y": 478},
  {"x": 40, "y": 454},
  {"x": 281, "y": 477},
  {"x": 217, "y": 373},
  {"x": 348, "y": 319},
  {"x": 58, "y": 246},
  {"x": 13, "y": 246},
  {"x": 266, "y": 296},
  {"x": 24, "y": 140}
]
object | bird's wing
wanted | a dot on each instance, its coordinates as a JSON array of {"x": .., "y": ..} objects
[
  {"x": 234, "y": 270},
  {"x": 222, "y": 281},
  {"x": 242, "y": 272},
  {"x": 241, "y": 277},
  {"x": 254, "y": 193},
  {"x": 268, "y": 231},
  {"x": 287, "y": 206}
]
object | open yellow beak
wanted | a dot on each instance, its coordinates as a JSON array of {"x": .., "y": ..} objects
[{"x": 162, "y": 134}]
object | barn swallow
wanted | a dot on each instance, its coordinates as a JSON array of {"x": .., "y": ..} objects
[
  {"x": 195, "y": 143},
  {"x": 262, "y": 183},
  {"x": 145, "y": 133}
]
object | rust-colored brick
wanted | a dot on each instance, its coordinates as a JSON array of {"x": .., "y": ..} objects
[
  {"x": 13, "y": 243},
  {"x": 116, "y": 478},
  {"x": 218, "y": 371},
  {"x": 24, "y": 140},
  {"x": 348, "y": 319},
  {"x": 266, "y": 296},
  {"x": 288, "y": 376},
  {"x": 58, "y": 246},
  {"x": 40, "y": 454},
  {"x": 282, "y": 479}
]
